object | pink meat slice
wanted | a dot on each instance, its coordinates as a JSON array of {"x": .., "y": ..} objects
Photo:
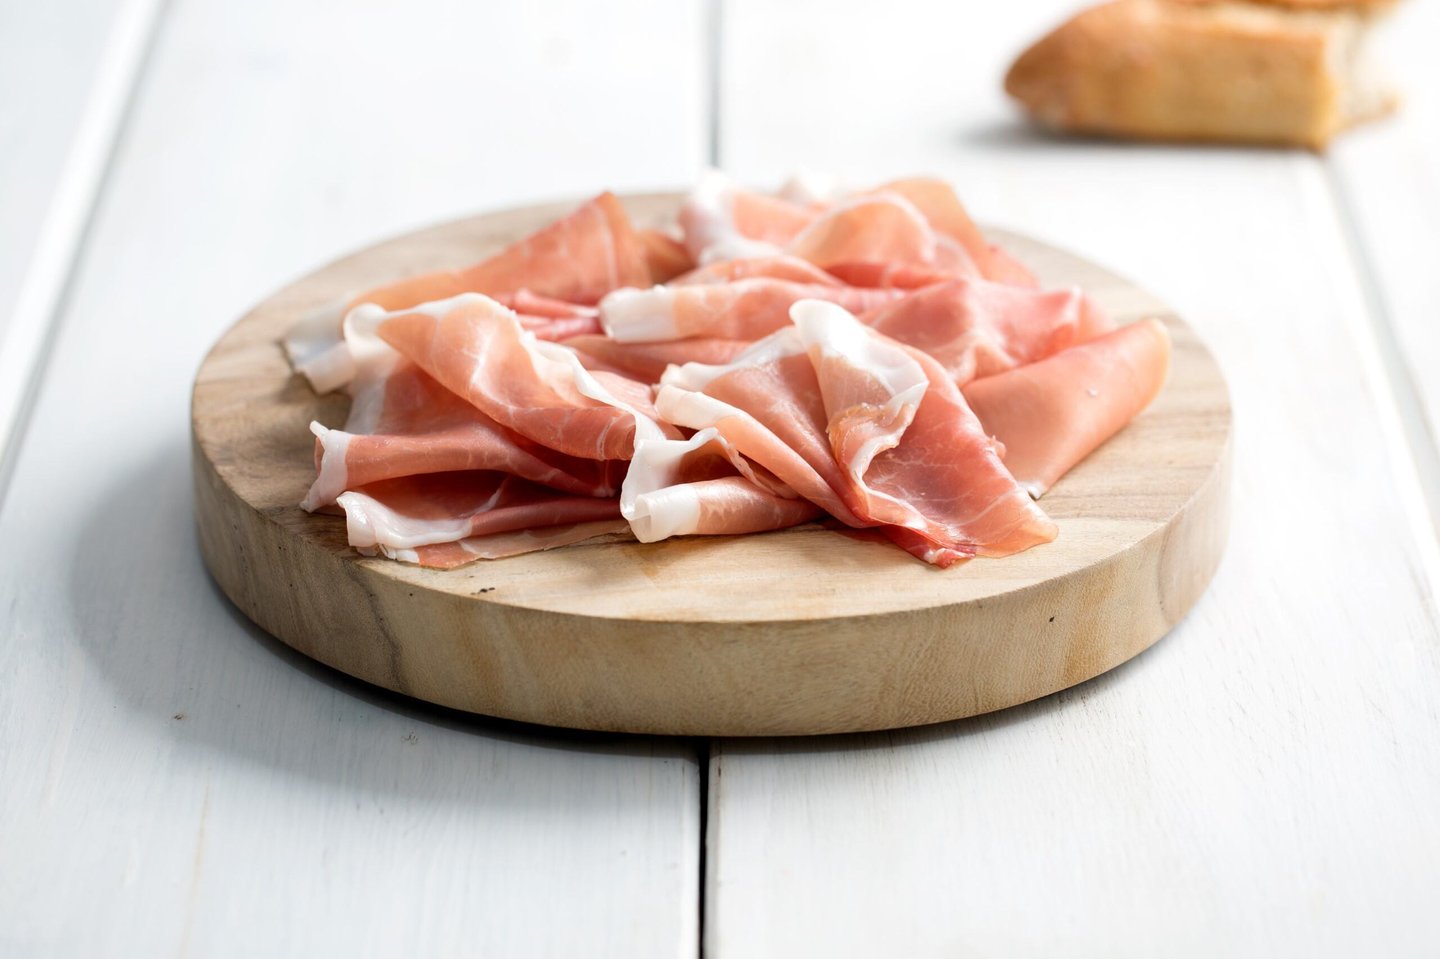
[
  {"x": 766, "y": 406},
  {"x": 414, "y": 511},
  {"x": 477, "y": 350},
  {"x": 964, "y": 249},
  {"x": 778, "y": 267},
  {"x": 704, "y": 486},
  {"x": 871, "y": 431},
  {"x": 878, "y": 228},
  {"x": 665, "y": 256},
  {"x": 647, "y": 361},
  {"x": 720, "y": 220},
  {"x": 889, "y": 275},
  {"x": 549, "y": 318},
  {"x": 405, "y": 424},
  {"x": 1052, "y": 414},
  {"x": 977, "y": 328},
  {"x": 743, "y": 310},
  {"x": 913, "y": 454},
  {"x": 578, "y": 258}
]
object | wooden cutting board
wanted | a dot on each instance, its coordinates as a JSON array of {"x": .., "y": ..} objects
[{"x": 795, "y": 632}]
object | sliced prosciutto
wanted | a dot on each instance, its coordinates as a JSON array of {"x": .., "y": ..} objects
[
  {"x": 549, "y": 318},
  {"x": 914, "y": 455},
  {"x": 404, "y": 423},
  {"x": 766, "y": 360},
  {"x": 1052, "y": 414},
  {"x": 477, "y": 350},
  {"x": 869, "y": 229},
  {"x": 743, "y": 310},
  {"x": 962, "y": 248},
  {"x": 975, "y": 327},
  {"x": 766, "y": 406},
  {"x": 722, "y": 221},
  {"x": 416, "y": 511},
  {"x": 665, "y": 256},
  {"x": 778, "y": 267},
  {"x": 578, "y": 258},
  {"x": 703, "y": 486},
  {"x": 873, "y": 432},
  {"x": 647, "y": 361}
]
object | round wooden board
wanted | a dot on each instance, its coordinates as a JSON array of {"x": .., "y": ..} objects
[{"x": 801, "y": 631}]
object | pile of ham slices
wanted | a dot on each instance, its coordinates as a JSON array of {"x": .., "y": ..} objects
[{"x": 865, "y": 356}]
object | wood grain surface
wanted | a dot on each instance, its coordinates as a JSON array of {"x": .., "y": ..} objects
[{"x": 834, "y": 632}]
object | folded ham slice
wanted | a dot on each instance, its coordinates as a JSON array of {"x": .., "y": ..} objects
[
  {"x": 743, "y": 310},
  {"x": 404, "y": 423},
  {"x": 914, "y": 455},
  {"x": 722, "y": 221},
  {"x": 477, "y": 350},
  {"x": 578, "y": 258},
  {"x": 647, "y": 361},
  {"x": 873, "y": 432},
  {"x": 869, "y": 229},
  {"x": 976, "y": 327},
  {"x": 665, "y": 256},
  {"x": 778, "y": 267},
  {"x": 703, "y": 486},
  {"x": 1052, "y": 414},
  {"x": 416, "y": 511},
  {"x": 963, "y": 249}
]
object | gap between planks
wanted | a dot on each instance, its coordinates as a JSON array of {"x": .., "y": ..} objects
[
  {"x": 32, "y": 331},
  {"x": 1408, "y": 433},
  {"x": 713, "y": 49}
]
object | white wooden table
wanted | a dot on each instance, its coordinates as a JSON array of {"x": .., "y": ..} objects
[{"x": 1266, "y": 781}]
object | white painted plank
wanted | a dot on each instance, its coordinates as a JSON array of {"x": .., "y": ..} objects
[
  {"x": 66, "y": 73},
  {"x": 175, "y": 783},
  {"x": 1266, "y": 781},
  {"x": 1388, "y": 176}
]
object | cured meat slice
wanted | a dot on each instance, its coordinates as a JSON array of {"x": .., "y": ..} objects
[
  {"x": 549, "y": 318},
  {"x": 766, "y": 405},
  {"x": 416, "y": 511},
  {"x": 680, "y": 487},
  {"x": 722, "y": 221},
  {"x": 665, "y": 256},
  {"x": 913, "y": 455},
  {"x": 966, "y": 251},
  {"x": 890, "y": 275},
  {"x": 476, "y": 349},
  {"x": 868, "y": 429},
  {"x": 1052, "y": 414},
  {"x": 743, "y": 310},
  {"x": 646, "y": 361},
  {"x": 578, "y": 258},
  {"x": 404, "y": 423},
  {"x": 502, "y": 545},
  {"x": 778, "y": 267},
  {"x": 977, "y": 328},
  {"x": 868, "y": 229}
]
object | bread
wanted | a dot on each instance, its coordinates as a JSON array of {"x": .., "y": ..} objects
[{"x": 1266, "y": 71}]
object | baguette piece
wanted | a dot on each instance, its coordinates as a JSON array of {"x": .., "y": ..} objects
[{"x": 1293, "y": 72}]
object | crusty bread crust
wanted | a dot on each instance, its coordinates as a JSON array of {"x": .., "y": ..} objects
[{"x": 1266, "y": 72}]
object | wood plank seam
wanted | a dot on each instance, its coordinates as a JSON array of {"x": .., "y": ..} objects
[
  {"x": 1410, "y": 436},
  {"x": 713, "y": 46},
  {"x": 34, "y": 327}
]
